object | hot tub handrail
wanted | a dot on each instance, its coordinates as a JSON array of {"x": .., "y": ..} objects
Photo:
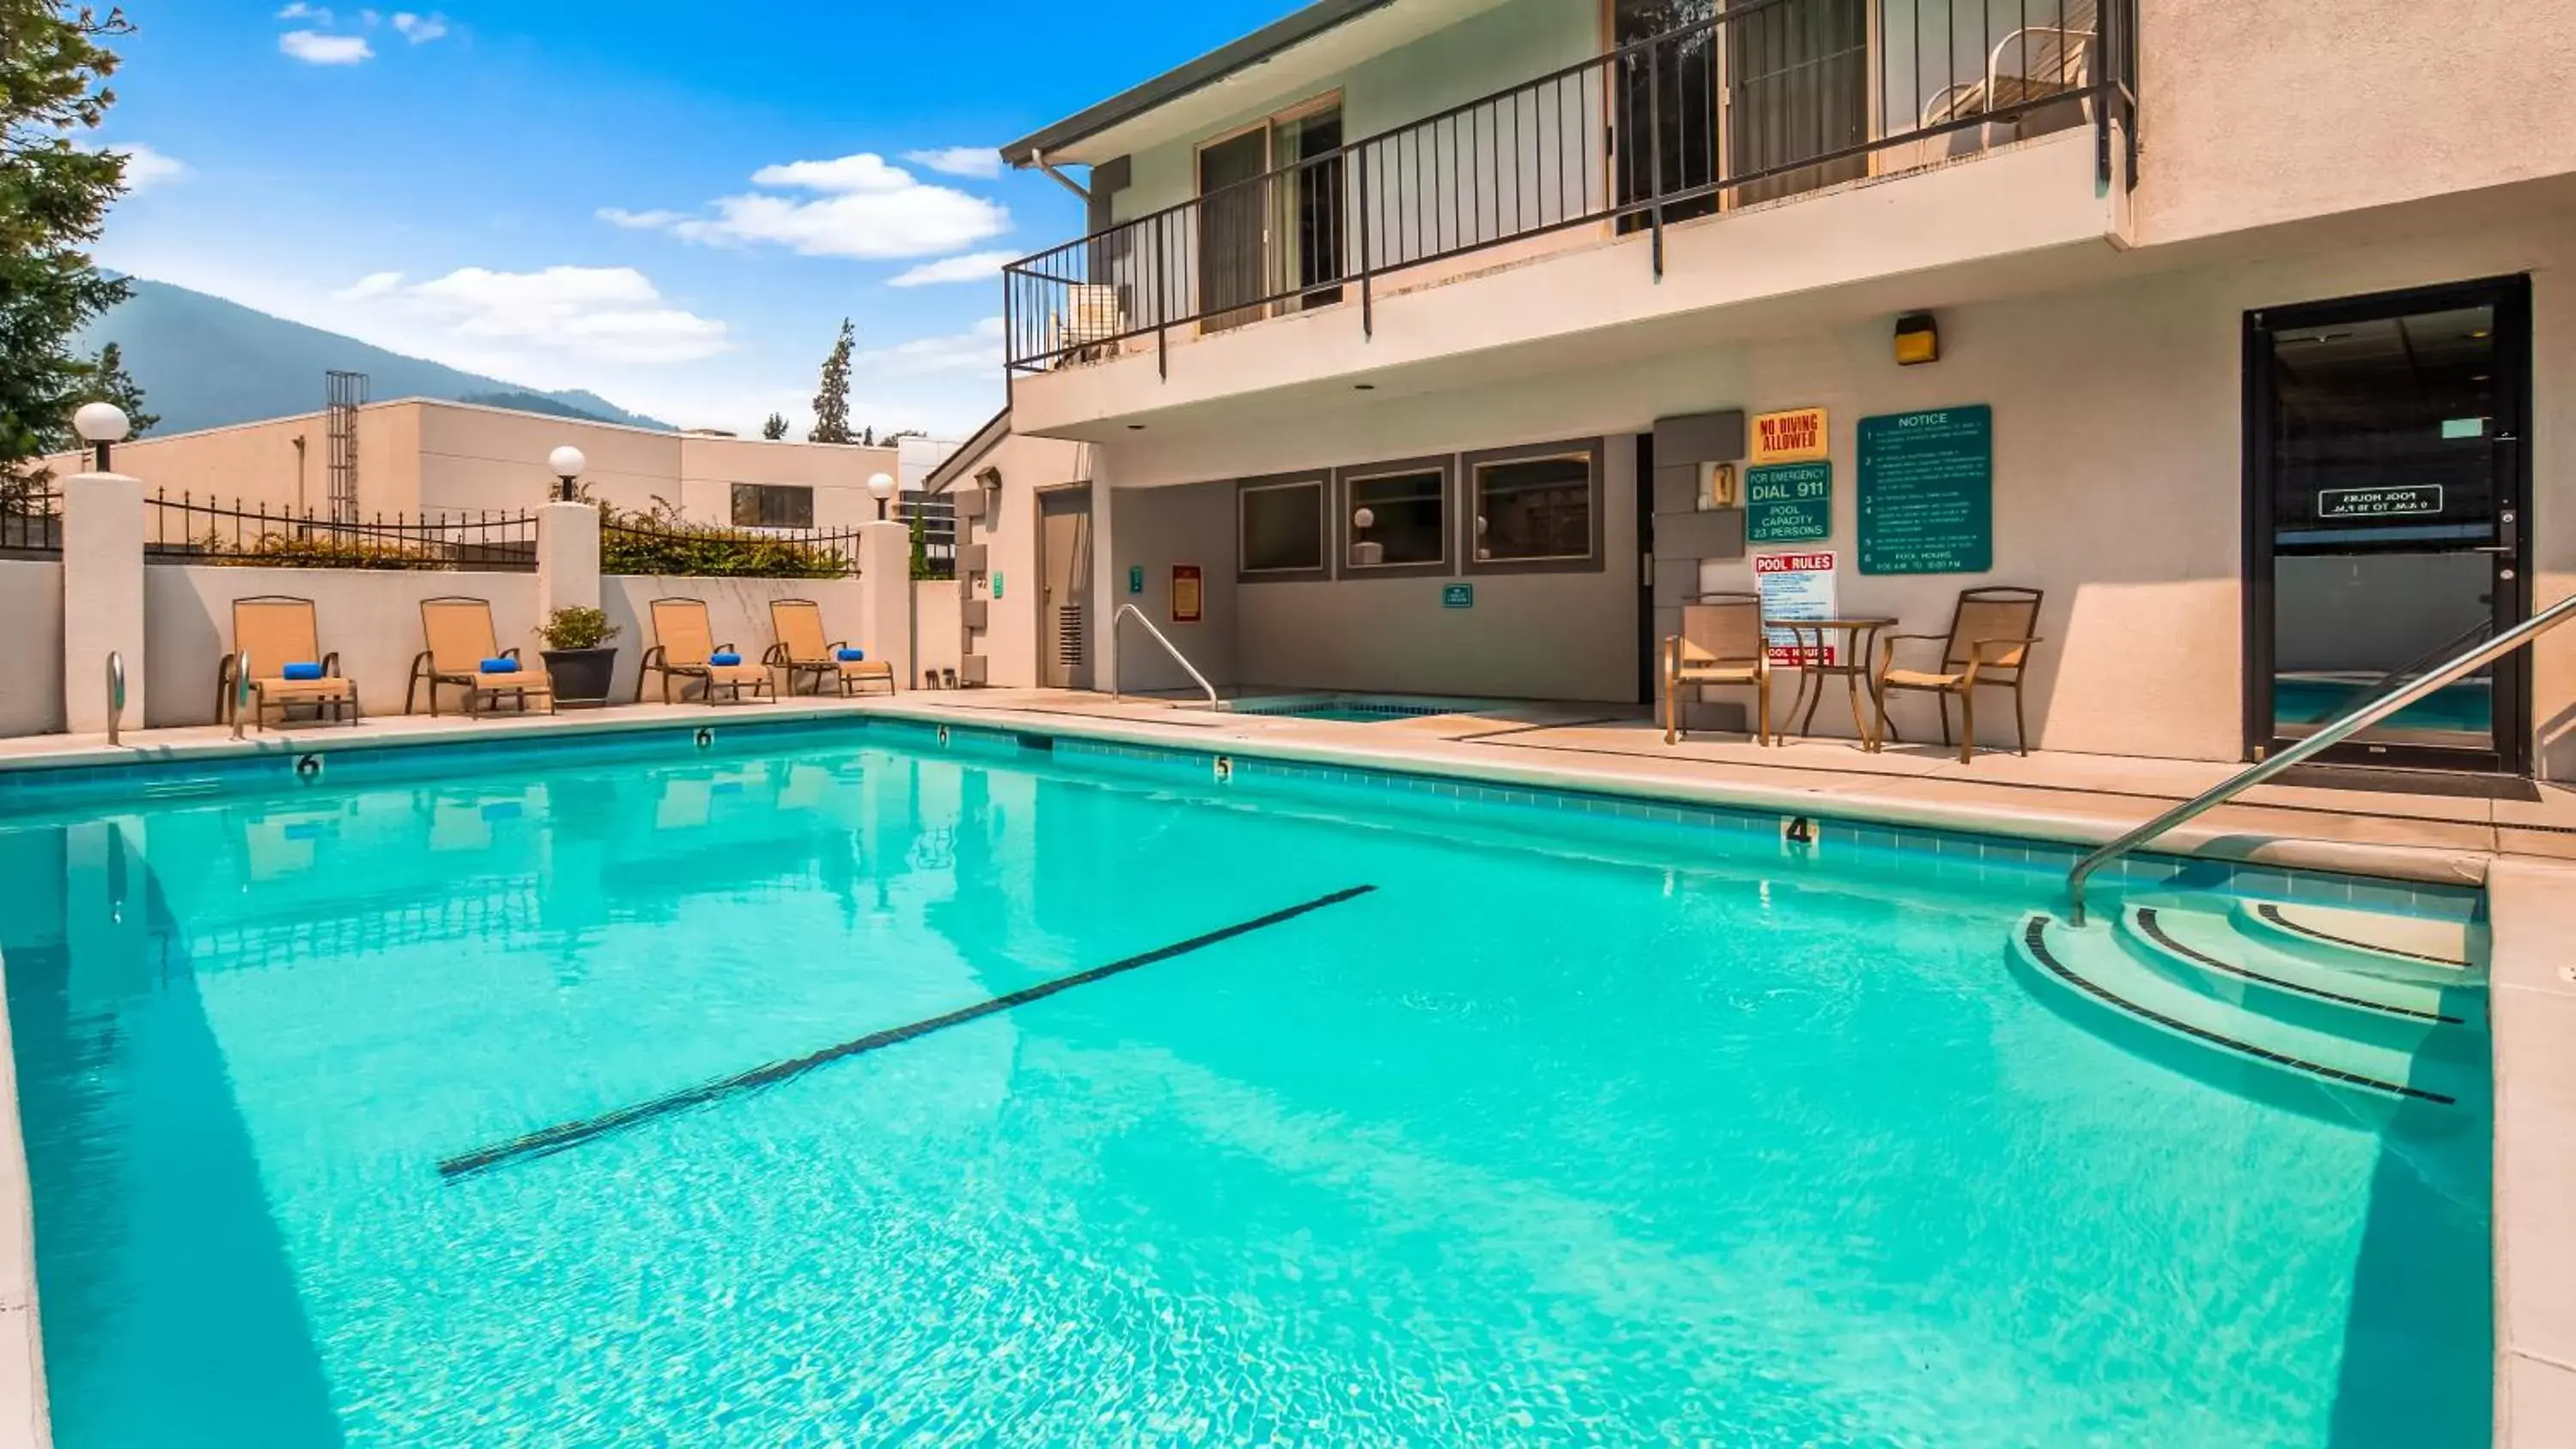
[
  {"x": 2335, "y": 732},
  {"x": 1124, "y": 610}
]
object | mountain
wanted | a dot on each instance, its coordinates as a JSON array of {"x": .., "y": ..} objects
[{"x": 204, "y": 362}]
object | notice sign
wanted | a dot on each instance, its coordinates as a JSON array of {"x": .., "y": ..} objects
[
  {"x": 1189, "y": 596},
  {"x": 1927, "y": 492},
  {"x": 1789, "y": 503},
  {"x": 2379, "y": 502},
  {"x": 1796, "y": 436},
  {"x": 1797, "y": 586}
]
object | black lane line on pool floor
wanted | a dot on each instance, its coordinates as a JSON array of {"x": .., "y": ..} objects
[{"x": 565, "y": 1135}]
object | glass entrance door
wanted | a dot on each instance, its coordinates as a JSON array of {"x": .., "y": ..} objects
[{"x": 2386, "y": 497}]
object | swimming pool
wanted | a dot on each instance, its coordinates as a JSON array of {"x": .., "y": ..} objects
[
  {"x": 741, "y": 1098},
  {"x": 1345, "y": 708}
]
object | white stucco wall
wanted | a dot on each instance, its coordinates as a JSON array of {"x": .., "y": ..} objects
[
  {"x": 2118, "y": 451},
  {"x": 1010, "y": 534},
  {"x": 934, "y": 612},
  {"x": 371, "y": 618},
  {"x": 31, "y": 647}
]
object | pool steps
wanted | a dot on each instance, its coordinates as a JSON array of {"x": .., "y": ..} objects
[{"x": 2355, "y": 1001}]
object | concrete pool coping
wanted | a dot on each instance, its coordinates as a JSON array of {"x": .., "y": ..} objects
[{"x": 2522, "y": 853}]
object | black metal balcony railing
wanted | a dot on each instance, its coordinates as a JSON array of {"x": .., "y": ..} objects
[{"x": 1765, "y": 99}]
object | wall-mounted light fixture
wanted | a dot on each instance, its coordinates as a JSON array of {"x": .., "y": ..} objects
[{"x": 1918, "y": 339}]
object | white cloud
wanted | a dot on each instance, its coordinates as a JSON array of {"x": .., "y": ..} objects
[
  {"x": 972, "y": 267},
  {"x": 981, "y": 162},
  {"x": 862, "y": 207},
  {"x": 978, "y": 349},
  {"x": 641, "y": 220},
  {"x": 419, "y": 29},
  {"x": 601, "y": 314},
  {"x": 145, "y": 168},
  {"x": 301, "y": 11},
  {"x": 314, "y": 48}
]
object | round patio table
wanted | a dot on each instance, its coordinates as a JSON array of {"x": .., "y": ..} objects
[{"x": 1860, "y": 643}]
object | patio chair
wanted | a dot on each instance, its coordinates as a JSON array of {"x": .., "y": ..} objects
[
  {"x": 1992, "y": 632},
  {"x": 1720, "y": 643},
  {"x": 1089, "y": 326},
  {"x": 801, "y": 650},
  {"x": 684, "y": 647},
  {"x": 462, "y": 652},
  {"x": 278, "y": 643}
]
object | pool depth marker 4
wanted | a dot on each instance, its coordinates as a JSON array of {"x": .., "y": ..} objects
[{"x": 565, "y": 1135}]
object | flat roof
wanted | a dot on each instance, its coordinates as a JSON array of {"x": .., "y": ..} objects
[{"x": 1216, "y": 65}]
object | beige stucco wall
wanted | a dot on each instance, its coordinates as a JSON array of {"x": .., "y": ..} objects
[
  {"x": 2118, "y": 438},
  {"x": 1009, "y": 533},
  {"x": 1155, "y": 529},
  {"x": 934, "y": 621},
  {"x": 371, "y": 618},
  {"x": 2265, "y": 113},
  {"x": 31, "y": 647},
  {"x": 416, "y": 455}
]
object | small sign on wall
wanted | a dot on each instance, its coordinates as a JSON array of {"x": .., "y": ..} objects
[
  {"x": 1135, "y": 578},
  {"x": 2421, "y": 498},
  {"x": 1797, "y": 586},
  {"x": 1789, "y": 503},
  {"x": 1189, "y": 594},
  {"x": 1796, "y": 436},
  {"x": 1458, "y": 596}
]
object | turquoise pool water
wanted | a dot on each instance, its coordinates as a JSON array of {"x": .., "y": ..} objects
[
  {"x": 2467, "y": 707},
  {"x": 366, "y": 1116},
  {"x": 1347, "y": 711}
]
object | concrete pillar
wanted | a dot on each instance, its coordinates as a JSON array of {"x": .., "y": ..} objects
[
  {"x": 567, "y": 558},
  {"x": 885, "y": 597},
  {"x": 1108, "y": 584},
  {"x": 102, "y": 597}
]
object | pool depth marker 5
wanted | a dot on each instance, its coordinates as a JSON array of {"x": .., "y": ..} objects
[{"x": 564, "y": 1135}]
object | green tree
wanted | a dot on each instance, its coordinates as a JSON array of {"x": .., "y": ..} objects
[
  {"x": 832, "y": 401},
  {"x": 54, "y": 194},
  {"x": 108, "y": 382},
  {"x": 775, "y": 428}
]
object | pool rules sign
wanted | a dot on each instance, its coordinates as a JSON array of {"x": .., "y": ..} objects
[{"x": 1927, "y": 492}]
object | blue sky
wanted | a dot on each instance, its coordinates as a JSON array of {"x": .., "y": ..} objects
[{"x": 673, "y": 204}]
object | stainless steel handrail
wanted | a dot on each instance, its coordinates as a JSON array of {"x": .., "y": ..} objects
[
  {"x": 241, "y": 689},
  {"x": 115, "y": 693},
  {"x": 2326, "y": 738},
  {"x": 1115, "y": 693}
]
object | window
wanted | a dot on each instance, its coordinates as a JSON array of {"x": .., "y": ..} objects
[
  {"x": 772, "y": 505},
  {"x": 1282, "y": 529},
  {"x": 1535, "y": 509},
  {"x": 1396, "y": 516}
]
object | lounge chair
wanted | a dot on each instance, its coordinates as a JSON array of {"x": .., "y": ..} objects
[
  {"x": 684, "y": 647},
  {"x": 1720, "y": 643},
  {"x": 277, "y": 643},
  {"x": 801, "y": 650},
  {"x": 462, "y": 647},
  {"x": 1992, "y": 632}
]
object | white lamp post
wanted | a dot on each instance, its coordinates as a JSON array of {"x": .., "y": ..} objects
[
  {"x": 567, "y": 461},
  {"x": 881, "y": 487},
  {"x": 101, "y": 425}
]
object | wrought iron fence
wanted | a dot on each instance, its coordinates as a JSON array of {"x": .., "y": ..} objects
[
  {"x": 1764, "y": 99},
  {"x": 188, "y": 529},
  {"x": 31, "y": 518},
  {"x": 638, "y": 543}
]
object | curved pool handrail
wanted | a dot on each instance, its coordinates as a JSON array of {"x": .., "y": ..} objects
[{"x": 1115, "y": 693}]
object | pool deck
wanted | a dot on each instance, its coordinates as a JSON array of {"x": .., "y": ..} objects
[{"x": 2522, "y": 850}]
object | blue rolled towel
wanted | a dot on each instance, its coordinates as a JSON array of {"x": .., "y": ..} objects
[
  {"x": 301, "y": 671},
  {"x": 851, "y": 656},
  {"x": 727, "y": 657},
  {"x": 499, "y": 666}
]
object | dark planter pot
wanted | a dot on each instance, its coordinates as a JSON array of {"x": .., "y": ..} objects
[{"x": 580, "y": 675}]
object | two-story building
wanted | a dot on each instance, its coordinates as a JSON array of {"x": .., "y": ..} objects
[{"x": 1446, "y": 346}]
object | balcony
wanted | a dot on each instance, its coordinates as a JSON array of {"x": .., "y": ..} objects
[{"x": 1634, "y": 151}]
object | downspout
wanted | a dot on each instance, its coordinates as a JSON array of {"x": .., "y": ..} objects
[{"x": 1039, "y": 160}]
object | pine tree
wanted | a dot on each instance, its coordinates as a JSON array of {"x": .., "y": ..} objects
[
  {"x": 832, "y": 402},
  {"x": 775, "y": 428},
  {"x": 107, "y": 381},
  {"x": 53, "y": 197}
]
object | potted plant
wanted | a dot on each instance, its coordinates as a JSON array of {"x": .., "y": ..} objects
[{"x": 577, "y": 655}]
